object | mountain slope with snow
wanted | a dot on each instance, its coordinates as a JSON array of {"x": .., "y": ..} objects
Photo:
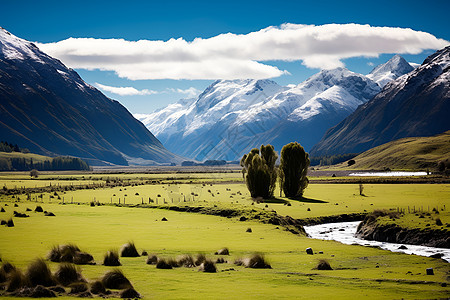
[
  {"x": 231, "y": 117},
  {"x": 416, "y": 104},
  {"x": 392, "y": 69},
  {"x": 49, "y": 109}
]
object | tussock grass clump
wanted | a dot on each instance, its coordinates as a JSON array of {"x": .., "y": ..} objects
[
  {"x": 163, "y": 264},
  {"x": 323, "y": 265},
  {"x": 98, "y": 288},
  {"x": 129, "y": 294},
  {"x": 78, "y": 288},
  {"x": 38, "y": 273},
  {"x": 255, "y": 261},
  {"x": 2, "y": 210},
  {"x": 70, "y": 253},
  {"x": 438, "y": 222},
  {"x": 144, "y": 253},
  {"x": 152, "y": 260},
  {"x": 201, "y": 258},
  {"x": 223, "y": 251},
  {"x": 208, "y": 266},
  {"x": 7, "y": 267},
  {"x": 16, "y": 280},
  {"x": 220, "y": 260},
  {"x": 111, "y": 258},
  {"x": 116, "y": 280},
  {"x": 39, "y": 209},
  {"x": 129, "y": 250},
  {"x": 173, "y": 262},
  {"x": 10, "y": 223},
  {"x": 68, "y": 274},
  {"x": 186, "y": 261}
]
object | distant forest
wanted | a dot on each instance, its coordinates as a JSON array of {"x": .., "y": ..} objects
[
  {"x": 331, "y": 159},
  {"x": 60, "y": 163}
]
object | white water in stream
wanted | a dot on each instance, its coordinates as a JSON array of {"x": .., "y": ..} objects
[{"x": 345, "y": 233}]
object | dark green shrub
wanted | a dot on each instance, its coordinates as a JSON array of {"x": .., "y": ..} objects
[
  {"x": 293, "y": 169},
  {"x": 259, "y": 171}
]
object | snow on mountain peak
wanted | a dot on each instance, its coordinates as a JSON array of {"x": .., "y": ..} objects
[
  {"x": 12, "y": 47},
  {"x": 392, "y": 69}
]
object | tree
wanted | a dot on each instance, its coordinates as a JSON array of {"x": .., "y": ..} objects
[
  {"x": 294, "y": 165},
  {"x": 259, "y": 171},
  {"x": 34, "y": 173}
]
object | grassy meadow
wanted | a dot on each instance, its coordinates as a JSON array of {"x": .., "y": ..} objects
[{"x": 357, "y": 270}]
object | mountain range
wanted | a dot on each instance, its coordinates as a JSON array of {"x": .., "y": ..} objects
[
  {"x": 232, "y": 116},
  {"x": 47, "y": 108},
  {"x": 413, "y": 105}
]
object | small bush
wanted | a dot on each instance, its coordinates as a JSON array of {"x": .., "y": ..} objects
[
  {"x": 129, "y": 250},
  {"x": 111, "y": 259},
  {"x": 186, "y": 261},
  {"x": 16, "y": 280},
  {"x": 129, "y": 294},
  {"x": 7, "y": 267},
  {"x": 208, "y": 266},
  {"x": 83, "y": 258},
  {"x": 200, "y": 259},
  {"x": 68, "y": 274},
  {"x": 98, "y": 288},
  {"x": 255, "y": 261},
  {"x": 323, "y": 265},
  {"x": 163, "y": 264},
  {"x": 152, "y": 260},
  {"x": 38, "y": 273},
  {"x": 10, "y": 223},
  {"x": 78, "y": 288},
  {"x": 116, "y": 280},
  {"x": 223, "y": 251}
]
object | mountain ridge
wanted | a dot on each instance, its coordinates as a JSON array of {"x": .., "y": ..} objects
[
  {"x": 273, "y": 114},
  {"x": 415, "y": 104},
  {"x": 47, "y": 108}
]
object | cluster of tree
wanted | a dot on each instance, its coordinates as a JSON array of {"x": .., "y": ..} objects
[
  {"x": 54, "y": 164},
  {"x": 444, "y": 167},
  {"x": 331, "y": 159},
  {"x": 6, "y": 147},
  {"x": 190, "y": 163},
  {"x": 260, "y": 172}
]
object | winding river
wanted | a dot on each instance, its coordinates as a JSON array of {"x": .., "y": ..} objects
[{"x": 345, "y": 233}]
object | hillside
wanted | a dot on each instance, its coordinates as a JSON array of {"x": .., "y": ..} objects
[
  {"x": 415, "y": 104},
  {"x": 47, "y": 108},
  {"x": 405, "y": 154}
]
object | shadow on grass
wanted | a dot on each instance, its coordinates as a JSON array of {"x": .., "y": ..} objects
[
  {"x": 276, "y": 201},
  {"x": 307, "y": 200}
]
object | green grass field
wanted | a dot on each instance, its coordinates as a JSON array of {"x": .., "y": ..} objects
[{"x": 358, "y": 271}]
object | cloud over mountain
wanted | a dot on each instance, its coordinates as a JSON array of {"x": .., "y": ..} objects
[{"x": 237, "y": 56}]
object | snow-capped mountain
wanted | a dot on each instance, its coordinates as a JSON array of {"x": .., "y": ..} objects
[
  {"x": 49, "y": 109},
  {"x": 392, "y": 69},
  {"x": 231, "y": 117},
  {"x": 415, "y": 104}
]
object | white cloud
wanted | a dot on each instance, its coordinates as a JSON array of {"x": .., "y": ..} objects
[
  {"x": 233, "y": 56},
  {"x": 190, "y": 92},
  {"x": 125, "y": 91},
  {"x": 370, "y": 64}
]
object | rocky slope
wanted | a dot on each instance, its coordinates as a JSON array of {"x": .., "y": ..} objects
[
  {"x": 415, "y": 104},
  {"x": 49, "y": 109}
]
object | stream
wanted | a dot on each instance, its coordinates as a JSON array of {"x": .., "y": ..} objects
[{"x": 345, "y": 233}]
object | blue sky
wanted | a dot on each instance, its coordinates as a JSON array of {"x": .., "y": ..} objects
[{"x": 54, "y": 21}]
